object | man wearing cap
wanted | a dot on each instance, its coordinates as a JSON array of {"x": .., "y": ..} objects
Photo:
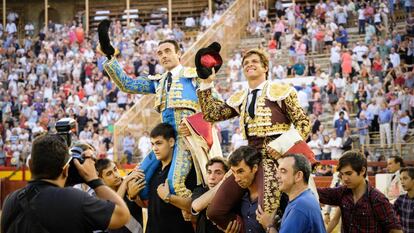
[
  {"x": 267, "y": 113},
  {"x": 176, "y": 99}
]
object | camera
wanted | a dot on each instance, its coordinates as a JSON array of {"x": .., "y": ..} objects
[{"x": 65, "y": 128}]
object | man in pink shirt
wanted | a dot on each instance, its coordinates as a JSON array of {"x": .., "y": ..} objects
[
  {"x": 300, "y": 51},
  {"x": 279, "y": 30}
]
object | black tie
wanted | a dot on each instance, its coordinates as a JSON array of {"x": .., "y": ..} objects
[
  {"x": 169, "y": 80},
  {"x": 252, "y": 103}
]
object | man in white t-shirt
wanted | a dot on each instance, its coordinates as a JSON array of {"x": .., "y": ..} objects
[
  {"x": 144, "y": 144},
  {"x": 278, "y": 71},
  {"x": 207, "y": 22},
  {"x": 395, "y": 58},
  {"x": 12, "y": 16},
  {"x": 237, "y": 140},
  {"x": 359, "y": 50},
  {"x": 29, "y": 28},
  {"x": 122, "y": 99},
  {"x": 11, "y": 28},
  {"x": 361, "y": 21},
  {"x": 262, "y": 13},
  {"x": 339, "y": 84},
  {"x": 190, "y": 22},
  {"x": 402, "y": 127},
  {"x": 234, "y": 63},
  {"x": 89, "y": 88},
  {"x": 335, "y": 144},
  {"x": 335, "y": 58}
]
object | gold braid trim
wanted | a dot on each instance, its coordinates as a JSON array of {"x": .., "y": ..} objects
[
  {"x": 296, "y": 114},
  {"x": 214, "y": 109},
  {"x": 271, "y": 192}
]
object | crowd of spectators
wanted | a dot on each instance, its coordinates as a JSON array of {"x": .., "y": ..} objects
[
  {"x": 363, "y": 74},
  {"x": 58, "y": 74}
]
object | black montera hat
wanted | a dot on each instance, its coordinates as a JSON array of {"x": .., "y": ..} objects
[{"x": 207, "y": 58}]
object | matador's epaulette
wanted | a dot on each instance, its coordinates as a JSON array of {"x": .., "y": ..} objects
[
  {"x": 190, "y": 72},
  {"x": 278, "y": 91},
  {"x": 237, "y": 98},
  {"x": 155, "y": 77}
]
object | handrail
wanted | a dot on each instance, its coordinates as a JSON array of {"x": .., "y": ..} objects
[
  {"x": 228, "y": 31},
  {"x": 139, "y": 118}
]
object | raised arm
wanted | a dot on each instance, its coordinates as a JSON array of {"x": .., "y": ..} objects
[
  {"x": 204, "y": 200},
  {"x": 331, "y": 196},
  {"x": 140, "y": 85}
]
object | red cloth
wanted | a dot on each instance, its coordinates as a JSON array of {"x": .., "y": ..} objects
[
  {"x": 303, "y": 148},
  {"x": 210, "y": 60},
  {"x": 201, "y": 127}
]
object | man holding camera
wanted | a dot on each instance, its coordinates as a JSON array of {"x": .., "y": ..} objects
[{"x": 44, "y": 205}]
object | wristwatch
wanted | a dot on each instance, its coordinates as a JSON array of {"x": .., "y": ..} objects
[{"x": 167, "y": 198}]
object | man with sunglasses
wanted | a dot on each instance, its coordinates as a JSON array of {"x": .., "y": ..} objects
[{"x": 45, "y": 205}]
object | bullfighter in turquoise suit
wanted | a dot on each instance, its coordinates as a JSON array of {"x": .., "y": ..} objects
[{"x": 176, "y": 99}]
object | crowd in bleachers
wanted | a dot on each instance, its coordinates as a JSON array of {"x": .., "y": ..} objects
[
  {"x": 362, "y": 75},
  {"x": 59, "y": 74}
]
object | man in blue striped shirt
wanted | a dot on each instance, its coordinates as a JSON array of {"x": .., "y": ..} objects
[
  {"x": 384, "y": 120},
  {"x": 362, "y": 126}
]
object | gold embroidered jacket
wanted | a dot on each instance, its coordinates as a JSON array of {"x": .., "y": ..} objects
[{"x": 276, "y": 109}]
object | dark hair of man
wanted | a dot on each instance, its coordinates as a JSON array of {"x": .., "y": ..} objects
[
  {"x": 398, "y": 159},
  {"x": 49, "y": 155},
  {"x": 102, "y": 164},
  {"x": 218, "y": 160},
  {"x": 409, "y": 170},
  {"x": 355, "y": 159},
  {"x": 163, "y": 129},
  {"x": 301, "y": 165},
  {"x": 249, "y": 154},
  {"x": 173, "y": 42}
]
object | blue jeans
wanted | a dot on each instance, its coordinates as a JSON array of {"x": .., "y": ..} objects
[
  {"x": 326, "y": 156},
  {"x": 361, "y": 26},
  {"x": 129, "y": 156},
  {"x": 225, "y": 137}
]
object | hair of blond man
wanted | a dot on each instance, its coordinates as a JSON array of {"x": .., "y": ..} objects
[{"x": 264, "y": 58}]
